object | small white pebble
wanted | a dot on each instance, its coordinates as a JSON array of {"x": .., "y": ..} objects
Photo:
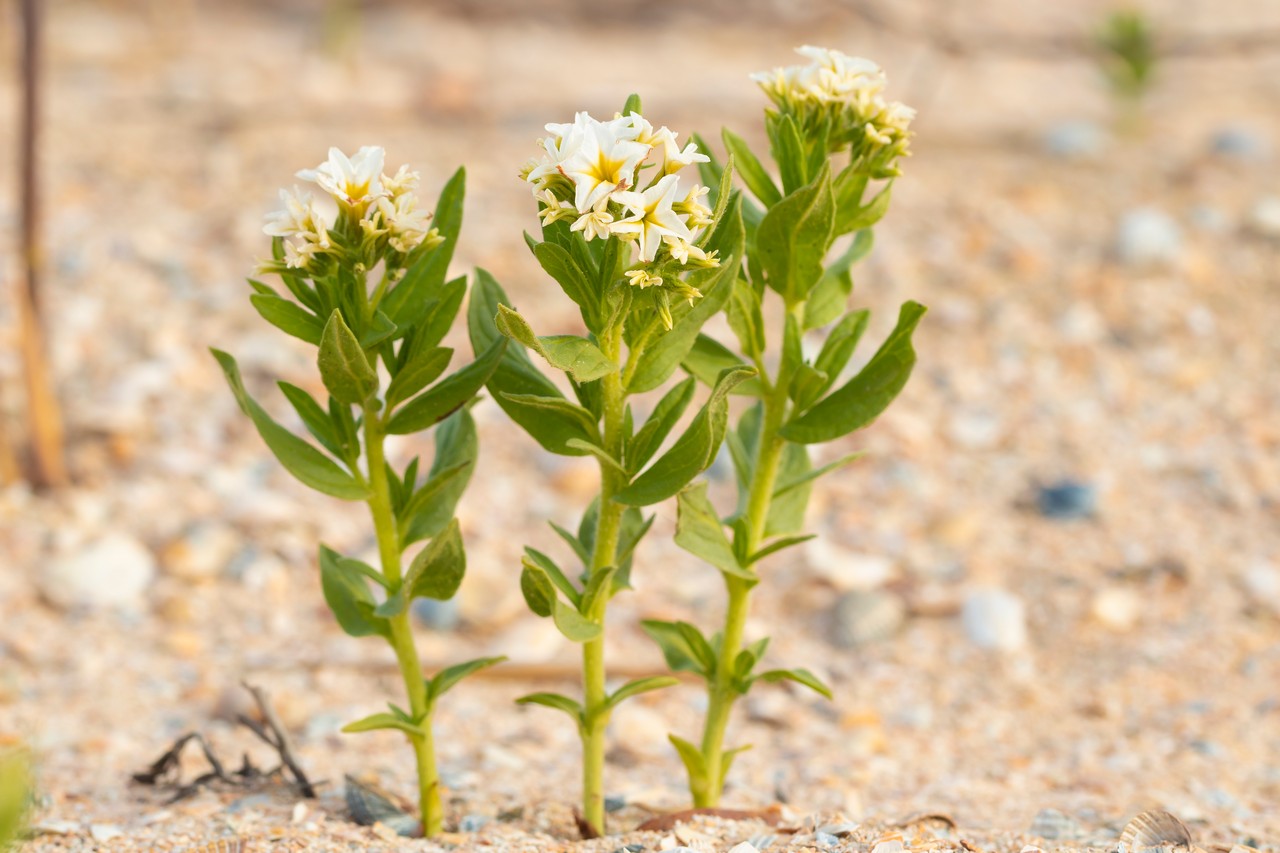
[
  {"x": 744, "y": 847},
  {"x": 299, "y": 813}
]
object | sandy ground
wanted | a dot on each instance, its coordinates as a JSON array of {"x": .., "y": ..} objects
[{"x": 1149, "y": 676}]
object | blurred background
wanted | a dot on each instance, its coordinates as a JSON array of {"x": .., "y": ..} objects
[{"x": 1054, "y": 584}]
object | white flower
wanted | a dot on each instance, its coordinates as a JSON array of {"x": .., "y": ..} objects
[
  {"x": 652, "y": 216},
  {"x": 677, "y": 159},
  {"x": 553, "y": 209},
  {"x": 642, "y": 279},
  {"x": 406, "y": 225},
  {"x": 355, "y": 180},
  {"x": 604, "y": 162},
  {"x": 595, "y": 223},
  {"x": 402, "y": 182},
  {"x": 682, "y": 250},
  {"x": 297, "y": 218}
]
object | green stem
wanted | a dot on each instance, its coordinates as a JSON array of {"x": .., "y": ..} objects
[
  {"x": 401, "y": 637},
  {"x": 608, "y": 528},
  {"x": 722, "y": 691}
]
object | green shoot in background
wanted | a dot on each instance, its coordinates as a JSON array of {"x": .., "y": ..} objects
[
  {"x": 380, "y": 360},
  {"x": 647, "y": 263},
  {"x": 831, "y": 136},
  {"x": 15, "y": 786}
]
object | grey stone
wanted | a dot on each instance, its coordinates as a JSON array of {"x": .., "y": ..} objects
[
  {"x": 113, "y": 571},
  {"x": 995, "y": 619},
  {"x": 1240, "y": 143},
  {"x": 1264, "y": 216},
  {"x": 867, "y": 616},
  {"x": 1148, "y": 235},
  {"x": 1075, "y": 140},
  {"x": 436, "y": 615}
]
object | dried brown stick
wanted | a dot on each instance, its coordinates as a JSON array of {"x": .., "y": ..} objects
[{"x": 275, "y": 736}]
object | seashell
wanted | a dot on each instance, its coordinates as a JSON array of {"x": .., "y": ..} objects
[
  {"x": 839, "y": 830},
  {"x": 369, "y": 806},
  {"x": 1053, "y": 825},
  {"x": 1153, "y": 830},
  {"x": 222, "y": 845}
]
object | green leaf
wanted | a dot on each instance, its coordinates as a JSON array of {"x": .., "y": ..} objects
[
  {"x": 343, "y": 366},
  {"x": 661, "y": 421},
  {"x": 865, "y": 216},
  {"x": 576, "y": 356},
  {"x": 694, "y": 763},
  {"x": 788, "y": 151},
  {"x": 598, "y": 452},
  {"x": 448, "y": 395},
  {"x": 632, "y": 105},
  {"x": 444, "y": 680},
  {"x": 384, "y": 721},
  {"x": 752, "y": 173},
  {"x": 554, "y": 700},
  {"x": 794, "y": 236},
  {"x": 600, "y": 583},
  {"x": 437, "y": 571},
  {"x": 799, "y": 676},
  {"x": 839, "y": 346},
  {"x": 747, "y": 319},
  {"x": 302, "y": 460},
  {"x": 440, "y": 313},
  {"x": 516, "y": 376},
  {"x": 861, "y": 400},
  {"x": 828, "y": 298},
  {"x": 726, "y": 761},
  {"x": 349, "y": 598},
  {"x": 379, "y": 330},
  {"x": 787, "y": 511},
  {"x": 563, "y": 422},
  {"x": 575, "y": 627},
  {"x": 572, "y": 541},
  {"x": 778, "y": 545},
  {"x": 709, "y": 357},
  {"x": 638, "y": 686},
  {"x": 314, "y": 418},
  {"x": 661, "y": 358},
  {"x": 575, "y": 282},
  {"x": 747, "y": 660},
  {"x": 693, "y": 452},
  {"x": 288, "y": 316},
  {"x": 634, "y": 527},
  {"x": 558, "y": 578},
  {"x": 432, "y": 506},
  {"x": 360, "y": 567},
  {"x": 786, "y": 486},
  {"x": 683, "y": 646},
  {"x": 807, "y": 385},
  {"x": 539, "y": 593},
  {"x": 699, "y": 531},
  {"x": 407, "y": 303},
  {"x": 423, "y": 369}
]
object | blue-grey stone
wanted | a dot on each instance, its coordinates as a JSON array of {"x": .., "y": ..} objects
[
  {"x": 472, "y": 822},
  {"x": 1239, "y": 142},
  {"x": 1067, "y": 499},
  {"x": 1148, "y": 235},
  {"x": 1075, "y": 139},
  {"x": 436, "y": 615}
]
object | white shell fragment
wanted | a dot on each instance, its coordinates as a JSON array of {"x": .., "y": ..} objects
[
  {"x": 1154, "y": 830},
  {"x": 890, "y": 842}
]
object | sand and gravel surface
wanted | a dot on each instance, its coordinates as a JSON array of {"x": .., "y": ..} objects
[{"x": 1048, "y": 599}]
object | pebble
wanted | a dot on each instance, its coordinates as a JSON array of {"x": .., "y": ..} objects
[
  {"x": 847, "y": 570},
  {"x": 1148, "y": 235},
  {"x": 103, "y": 832},
  {"x": 1264, "y": 216},
  {"x": 436, "y": 615},
  {"x": 1073, "y": 140},
  {"x": 995, "y": 619},
  {"x": 1238, "y": 142},
  {"x": 1053, "y": 825},
  {"x": 744, "y": 847},
  {"x": 1067, "y": 499},
  {"x": 202, "y": 553},
  {"x": 863, "y": 617},
  {"x": 1116, "y": 608},
  {"x": 975, "y": 430},
  {"x": 111, "y": 572},
  {"x": 1262, "y": 582},
  {"x": 472, "y": 822}
]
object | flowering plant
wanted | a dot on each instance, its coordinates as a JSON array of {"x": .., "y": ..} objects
[
  {"x": 380, "y": 360},
  {"x": 825, "y": 113},
  {"x": 647, "y": 262}
]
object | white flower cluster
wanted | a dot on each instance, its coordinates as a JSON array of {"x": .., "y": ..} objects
[
  {"x": 384, "y": 207},
  {"x": 845, "y": 93},
  {"x": 589, "y": 171}
]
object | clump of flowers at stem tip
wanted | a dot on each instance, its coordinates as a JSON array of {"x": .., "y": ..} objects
[
  {"x": 841, "y": 97},
  {"x": 620, "y": 179},
  {"x": 379, "y": 218}
]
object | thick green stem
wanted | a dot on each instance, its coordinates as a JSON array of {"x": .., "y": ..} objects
[
  {"x": 722, "y": 692},
  {"x": 401, "y": 638},
  {"x": 608, "y": 527}
]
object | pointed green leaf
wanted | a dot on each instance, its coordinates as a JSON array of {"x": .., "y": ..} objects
[
  {"x": 794, "y": 236},
  {"x": 572, "y": 541},
  {"x": 788, "y": 152},
  {"x": 420, "y": 372},
  {"x": 599, "y": 583},
  {"x": 778, "y": 545},
  {"x": 799, "y": 676},
  {"x": 787, "y": 511},
  {"x": 447, "y": 396},
  {"x": 343, "y": 366},
  {"x": 535, "y": 584},
  {"x": 861, "y": 400},
  {"x": 746, "y": 318},
  {"x": 694, "y": 764},
  {"x": 437, "y": 571},
  {"x": 661, "y": 421},
  {"x": 360, "y": 567},
  {"x": 726, "y": 760},
  {"x": 554, "y": 700},
  {"x": 577, "y": 285},
  {"x": 693, "y": 452},
  {"x": 829, "y": 297},
  {"x": 431, "y": 507},
  {"x": 699, "y": 531},
  {"x": 753, "y": 174},
  {"x": 289, "y": 317},
  {"x": 841, "y": 341},
  {"x": 380, "y": 329},
  {"x": 708, "y": 357},
  {"x": 554, "y": 573},
  {"x": 865, "y": 216},
  {"x": 598, "y": 452},
  {"x": 444, "y": 680},
  {"x": 638, "y": 686},
  {"x": 576, "y": 356},
  {"x": 575, "y": 627},
  {"x": 683, "y": 646},
  {"x": 384, "y": 721},
  {"x": 348, "y": 597},
  {"x": 789, "y": 484},
  {"x": 314, "y": 418},
  {"x": 409, "y": 300},
  {"x": 302, "y": 460}
]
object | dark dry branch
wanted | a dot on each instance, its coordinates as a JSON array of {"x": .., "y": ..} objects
[{"x": 273, "y": 734}]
